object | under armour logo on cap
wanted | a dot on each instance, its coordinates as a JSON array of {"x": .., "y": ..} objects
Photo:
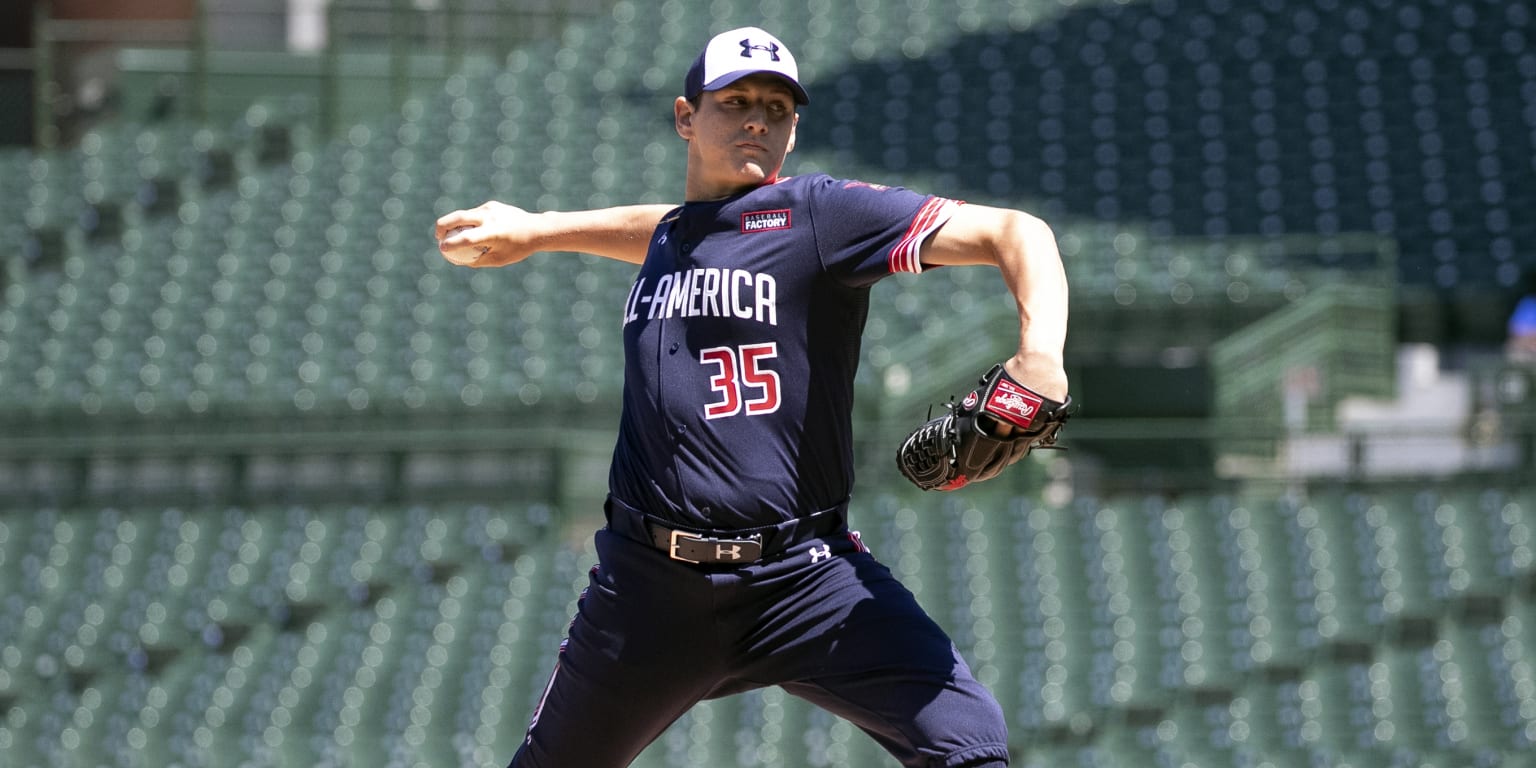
[
  {"x": 747, "y": 48},
  {"x": 733, "y": 55}
]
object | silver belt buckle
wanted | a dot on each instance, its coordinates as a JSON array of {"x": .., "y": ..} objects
[{"x": 672, "y": 552}]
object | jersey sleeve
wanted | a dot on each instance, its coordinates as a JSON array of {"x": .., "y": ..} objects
[{"x": 867, "y": 231}]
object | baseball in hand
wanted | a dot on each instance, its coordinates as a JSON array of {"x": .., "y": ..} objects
[{"x": 456, "y": 230}]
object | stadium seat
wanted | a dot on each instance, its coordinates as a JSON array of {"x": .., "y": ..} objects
[
  {"x": 1132, "y": 665},
  {"x": 1344, "y": 599},
  {"x": 1193, "y": 530},
  {"x": 1415, "y": 691},
  {"x": 1418, "y": 550},
  {"x": 1054, "y": 680},
  {"x": 1512, "y": 661},
  {"x": 1274, "y": 597},
  {"x": 1466, "y": 526},
  {"x": 1474, "y": 687},
  {"x": 1196, "y": 735},
  {"x": 1512, "y": 543}
]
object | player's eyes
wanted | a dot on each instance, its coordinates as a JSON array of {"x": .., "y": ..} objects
[{"x": 777, "y": 109}]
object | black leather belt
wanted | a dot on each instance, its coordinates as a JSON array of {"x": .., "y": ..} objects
[{"x": 699, "y": 548}]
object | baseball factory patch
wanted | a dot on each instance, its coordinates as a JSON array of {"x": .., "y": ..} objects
[{"x": 764, "y": 221}]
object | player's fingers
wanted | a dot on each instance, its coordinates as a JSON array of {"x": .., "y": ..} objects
[
  {"x": 467, "y": 246},
  {"x": 450, "y": 221},
  {"x": 995, "y": 427},
  {"x": 467, "y": 257},
  {"x": 445, "y": 223},
  {"x": 460, "y": 236}
]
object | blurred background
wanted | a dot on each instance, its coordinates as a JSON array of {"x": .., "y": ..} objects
[{"x": 280, "y": 487}]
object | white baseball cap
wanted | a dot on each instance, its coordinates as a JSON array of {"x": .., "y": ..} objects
[{"x": 744, "y": 51}]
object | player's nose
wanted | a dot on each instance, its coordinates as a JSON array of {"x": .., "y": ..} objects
[{"x": 757, "y": 119}]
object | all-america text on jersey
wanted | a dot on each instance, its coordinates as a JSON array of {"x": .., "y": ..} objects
[{"x": 705, "y": 292}]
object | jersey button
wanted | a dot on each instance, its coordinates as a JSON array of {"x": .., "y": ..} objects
[{"x": 672, "y": 350}]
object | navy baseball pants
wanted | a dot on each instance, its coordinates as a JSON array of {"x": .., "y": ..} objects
[{"x": 820, "y": 618}]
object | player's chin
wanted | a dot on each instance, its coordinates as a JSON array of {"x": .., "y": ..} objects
[{"x": 757, "y": 172}]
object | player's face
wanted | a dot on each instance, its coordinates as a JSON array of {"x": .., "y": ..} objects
[{"x": 737, "y": 136}]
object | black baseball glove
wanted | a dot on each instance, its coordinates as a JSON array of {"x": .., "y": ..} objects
[{"x": 962, "y": 447}]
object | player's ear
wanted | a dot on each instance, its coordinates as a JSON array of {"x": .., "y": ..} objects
[
  {"x": 682, "y": 118},
  {"x": 792, "y": 126}
]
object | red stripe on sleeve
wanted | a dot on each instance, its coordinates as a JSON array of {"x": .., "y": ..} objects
[{"x": 905, "y": 255}]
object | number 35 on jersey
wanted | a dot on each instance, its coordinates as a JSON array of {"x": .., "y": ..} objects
[{"x": 741, "y": 381}]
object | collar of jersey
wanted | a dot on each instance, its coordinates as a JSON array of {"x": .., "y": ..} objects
[{"x": 766, "y": 183}]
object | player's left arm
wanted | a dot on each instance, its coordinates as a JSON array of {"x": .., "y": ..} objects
[{"x": 1023, "y": 248}]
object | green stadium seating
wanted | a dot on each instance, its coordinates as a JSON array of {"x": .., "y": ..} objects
[
  {"x": 1411, "y": 554},
  {"x": 1130, "y": 617},
  {"x": 1511, "y": 658},
  {"x": 1512, "y": 542},
  {"x": 1268, "y": 555},
  {"x": 245, "y": 689},
  {"x": 1345, "y": 598},
  {"x": 320, "y": 301},
  {"x": 391, "y": 169},
  {"x": 1472, "y": 678},
  {"x": 1054, "y": 678},
  {"x": 371, "y": 632},
  {"x": 1469, "y": 526}
]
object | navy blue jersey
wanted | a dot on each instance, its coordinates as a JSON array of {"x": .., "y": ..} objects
[{"x": 741, "y": 339}]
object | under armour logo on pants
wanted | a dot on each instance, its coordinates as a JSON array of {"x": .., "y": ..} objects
[{"x": 818, "y": 555}]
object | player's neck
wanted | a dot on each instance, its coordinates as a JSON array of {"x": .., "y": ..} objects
[
  {"x": 715, "y": 194},
  {"x": 705, "y": 191}
]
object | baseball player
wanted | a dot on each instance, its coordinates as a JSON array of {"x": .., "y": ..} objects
[{"x": 727, "y": 563}]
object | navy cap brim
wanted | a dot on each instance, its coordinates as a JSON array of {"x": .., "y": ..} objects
[{"x": 801, "y": 97}]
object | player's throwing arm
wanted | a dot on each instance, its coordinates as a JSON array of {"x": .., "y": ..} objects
[{"x": 1018, "y": 405}]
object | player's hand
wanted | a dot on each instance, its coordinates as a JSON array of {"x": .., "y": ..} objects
[
  {"x": 997, "y": 424},
  {"x": 1043, "y": 371},
  {"x": 491, "y": 235}
]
